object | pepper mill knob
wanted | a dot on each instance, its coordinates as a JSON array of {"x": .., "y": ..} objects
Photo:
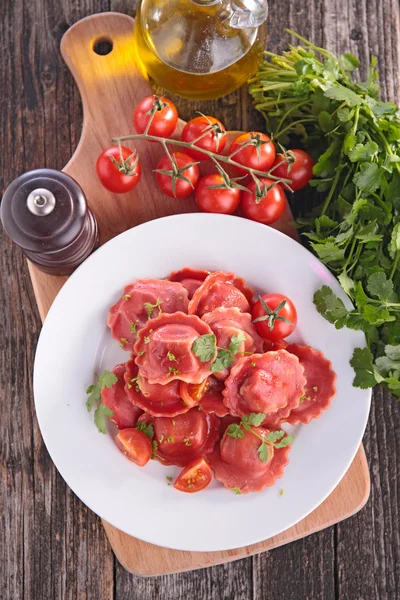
[{"x": 45, "y": 213}]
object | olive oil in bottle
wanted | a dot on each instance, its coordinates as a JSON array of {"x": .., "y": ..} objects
[{"x": 200, "y": 49}]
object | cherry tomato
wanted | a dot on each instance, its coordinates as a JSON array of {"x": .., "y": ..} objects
[
  {"x": 182, "y": 177},
  {"x": 195, "y": 477},
  {"x": 165, "y": 118},
  {"x": 259, "y": 154},
  {"x": 122, "y": 175},
  {"x": 278, "y": 320},
  {"x": 264, "y": 205},
  {"x": 216, "y": 200},
  {"x": 135, "y": 445},
  {"x": 214, "y": 141},
  {"x": 299, "y": 171},
  {"x": 192, "y": 393}
]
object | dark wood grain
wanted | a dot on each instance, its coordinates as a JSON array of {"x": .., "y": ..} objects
[{"x": 54, "y": 547}]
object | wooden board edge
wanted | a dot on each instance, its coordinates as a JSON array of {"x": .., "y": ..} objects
[{"x": 210, "y": 559}]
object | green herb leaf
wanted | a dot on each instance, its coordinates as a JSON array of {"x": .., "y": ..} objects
[
  {"x": 274, "y": 436},
  {"x": 236, "y": 490},
  {"x": 223, "y": 361},
  {"x": 343, "y": 94},
  {"x": 107, "y": 379},
  {"x": 350, "y": 62},
  {"x": 329, "y": 305},
  {"x": 236, "y": 342},
  {"x": 366, "y": 375},
  {"x": 101, "y": 414},
  {"x": 254, "y": 419},
  {"x": 284, "y": 442},
  {"x": 263, "y": 452},
  {"x": 204, "y": 347},
  {"x": 235, "y": 431},
  {"x": 369, "y": 178}
]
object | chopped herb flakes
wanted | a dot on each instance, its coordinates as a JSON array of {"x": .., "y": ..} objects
[
  {"x": 187, "y": 441},
  {"x": 152, "y": 307},
  {"x": 237, "y": 491},
  {"x": 147, "y": 340},
  {"x": 171, "y": 357},
  {"x": 126, "y": 297},
  {"x": 170, "y": 439},
  {"x": 281, "y": 492},
  {"x": 133, "y": 328},
  {"x": 173, "y": 371}
]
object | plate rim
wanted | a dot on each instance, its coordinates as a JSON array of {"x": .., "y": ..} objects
[{"x": 95, "y": 256}]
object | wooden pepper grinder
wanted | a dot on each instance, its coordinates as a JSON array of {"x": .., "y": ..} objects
[{"x": 45, "y": 213}]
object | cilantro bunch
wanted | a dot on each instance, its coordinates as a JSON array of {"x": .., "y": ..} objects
[{"x": 353, "y": 223}]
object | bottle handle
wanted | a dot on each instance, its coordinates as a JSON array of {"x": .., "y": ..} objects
[{"x": 247, "y": 13}]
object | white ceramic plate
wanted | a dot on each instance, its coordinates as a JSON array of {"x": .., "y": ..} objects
[{"x": 75, "y": 343}]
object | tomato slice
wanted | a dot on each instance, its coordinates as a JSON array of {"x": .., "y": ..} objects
[
  {"x": 135, "y": 445},
  {"x": 192, "y": 393},
  {"x": 195, "y": 477}
]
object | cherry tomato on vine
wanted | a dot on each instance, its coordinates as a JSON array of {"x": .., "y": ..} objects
[
  {"x": 274, "y": 316},
  {"x": 195, "y": 477},
  {"x": 258, "y": 151},
  {"x": 214, "y": 141},
  {"x": 179, "y": 177},
  {"x": 119, "y": 169},
  {"x": 165, "y": 117},
  {"x": 135, "y": 445},
  {"x": 262, "y": 204},
  {"x": 223, "y": 200},
  {"x": 299, "y": 169}
]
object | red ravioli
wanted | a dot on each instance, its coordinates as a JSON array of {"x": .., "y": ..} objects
[
  {"x": 125, "y": 413},
  {"x": 212, "y": 400},
  {"x": 229, "y": 322},
  {"x": 191, "y": 279},
  {"x": 130, "y": 313},
  {"x": 185, "y": 437},
  {"x": 221, "y": 290},
  {"x": 237, "y": 464},
  {"x": 164, "y": 349},
  {"x": 157, "y": 400},
  {"x": 226, "y": 421},
  {"x": 320, "y": 386},
  {"x": 270, "y": 383}
]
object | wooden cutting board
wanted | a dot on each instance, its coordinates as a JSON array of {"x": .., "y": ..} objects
[{"x": 110, "y": 86}]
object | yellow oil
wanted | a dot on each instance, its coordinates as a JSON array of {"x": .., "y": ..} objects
[{"x": 190, "y": 50}]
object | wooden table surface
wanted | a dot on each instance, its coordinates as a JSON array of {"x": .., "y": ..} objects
[{"x": 51, "y": 546}]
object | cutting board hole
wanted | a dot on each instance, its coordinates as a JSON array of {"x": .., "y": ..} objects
[{"x": 103, "y": 46}]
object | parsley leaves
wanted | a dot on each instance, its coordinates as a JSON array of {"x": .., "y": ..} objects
[
  {"x": 106, "y": 380},
  {"x": 278, "y": 439},
  {"x": 353, "y": 224},
  {"x": 205, "y": 346}
]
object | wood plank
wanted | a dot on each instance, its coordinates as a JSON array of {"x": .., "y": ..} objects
[
  {"x": 146, "y": 559},
  {"x": 54, "y": 547},
  {"x": 314, "y": 19},
  {"x": 370, "y": 543}
]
